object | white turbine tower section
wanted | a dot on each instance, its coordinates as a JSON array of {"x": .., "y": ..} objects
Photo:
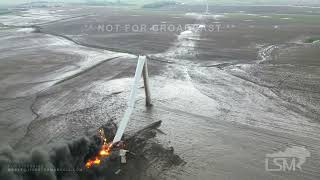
[
  {"x": 207, "y": 8},
  {"x": 142, "y": 66}
]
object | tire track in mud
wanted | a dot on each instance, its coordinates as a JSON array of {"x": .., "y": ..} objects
[
  {"x": 265, "y": 54},
  {"x": 37, "y": 96},
  {"x": 37, "y": 29},
  {"x": 91, "y": 112},
  {"x": 85, "y": 71},
  {"x": 36, "y": 26},
  {"x": 176, "y": 59},
  {"x": 94, "y": 47},
  {"x": 184, "y": 51},
  {"x": 85, "y": 44},
  {"x": 187, "y": 68}
]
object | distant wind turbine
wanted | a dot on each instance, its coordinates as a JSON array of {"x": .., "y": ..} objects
[{"x": 207, "y": 8}]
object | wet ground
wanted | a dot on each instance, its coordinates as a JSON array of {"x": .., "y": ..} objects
[{"x": 226, "y": 98}]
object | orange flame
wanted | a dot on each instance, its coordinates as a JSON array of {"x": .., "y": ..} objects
[{"x": 104, "y": 151}]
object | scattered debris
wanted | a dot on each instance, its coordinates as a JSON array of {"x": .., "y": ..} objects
[{"x": 70, "y": 160}]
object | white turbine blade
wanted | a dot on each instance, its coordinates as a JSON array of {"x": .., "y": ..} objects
[{"x": 131, "y": 102}]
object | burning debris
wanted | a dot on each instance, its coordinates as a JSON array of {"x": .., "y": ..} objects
[
  {"x": 94, "y": 158},
  {"x": 104, "y": 151}
]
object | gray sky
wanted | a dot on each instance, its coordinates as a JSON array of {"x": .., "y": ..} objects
[
  {"x": 220, "y": 1},
  {"x": 24, "y": 1}
]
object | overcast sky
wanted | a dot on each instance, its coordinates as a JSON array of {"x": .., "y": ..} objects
[
  {"x": 24, "y": 1},
  {"x": 272, "y": 1}
]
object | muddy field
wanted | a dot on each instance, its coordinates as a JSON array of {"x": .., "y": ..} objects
[{"x": 226, "y": 96}]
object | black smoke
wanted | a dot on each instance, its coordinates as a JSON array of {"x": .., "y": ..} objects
[{"x": 65, "y": 161}]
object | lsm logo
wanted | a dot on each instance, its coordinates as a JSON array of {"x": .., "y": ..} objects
[{"x": 289, "y": 160}]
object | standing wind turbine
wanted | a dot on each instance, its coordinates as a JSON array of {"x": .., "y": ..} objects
[{"x": 207, "y": 10}]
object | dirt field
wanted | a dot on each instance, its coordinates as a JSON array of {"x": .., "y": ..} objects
[{"x": 227, "y": 96}]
